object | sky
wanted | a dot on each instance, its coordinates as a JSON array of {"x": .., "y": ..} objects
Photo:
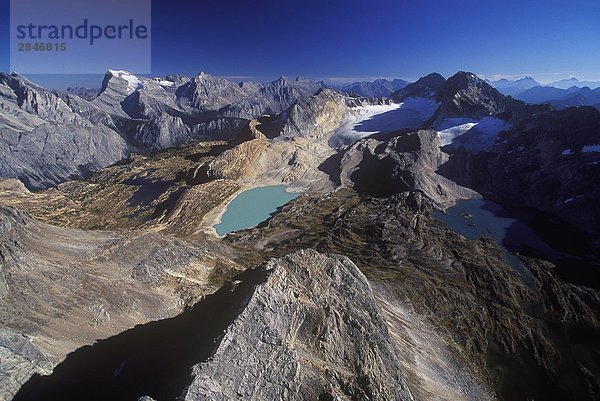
[{"x": 341, "y": 41}]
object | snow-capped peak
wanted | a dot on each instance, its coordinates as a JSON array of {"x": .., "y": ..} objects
[{"x": 133, "y": 82}]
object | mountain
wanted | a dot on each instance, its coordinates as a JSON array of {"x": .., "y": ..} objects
[
  {"x": 376, "y": 88},
  {"x": 512, "y": 87},
  {"x": 85, "y": 93},
  {"x": 271, "y": 98},
  {"x": 128, "y": 114},
  {"x": 208, "y": 92},
  {"x": 466, "y": 95},
  {"x": 561, "y": 98},
  {"x": 443, "y": 235},
  {"x": 462, "y": 95},
  {"x": 582, "y": 97},
  {"x": 568, "y": 83},
  {"x": 541, "y": 94},
  {"x": 426, "y": 86},
  {"x": 45, "y": 140}
]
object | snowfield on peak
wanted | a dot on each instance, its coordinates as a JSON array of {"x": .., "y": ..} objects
[
  {"x": 133, "y": 82},
  {"x": 364, "y": 121},
  {"x": 472, "y": 135},
  {"x": 448, "y": 135}
]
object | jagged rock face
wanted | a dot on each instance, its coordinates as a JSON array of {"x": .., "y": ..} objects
[
  {"x": 116, "y": 86},
  {"x": 19, "y": 358},
  {"x": 207, "y": 92},
  {"x": 34, "y": 103},
  {"x": 45, "y": 140},
  {"x": 155, "y": 97},
  {"x": 128, "y": 95},
  {"x": 426, "y": 86},
  {"x": 84, "y": 93},
  {"x": 462, "y": 95},
  {"x": 541, "y": 163},
  {"x": 63, "y": 288},
  {"x": 272, "y": 98},
  {"x": 53, "y": 153},
  {"x": 314, "y": 331},
  {"x": 376, "y": 88},
  {"x": 466, "y": 95},
  {"x": 404, "y": 163},
  {"x": 163, "y": 132},
  {"x": 316, "y": 115}
]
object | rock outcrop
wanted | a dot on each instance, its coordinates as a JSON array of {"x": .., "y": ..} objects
[
  {"x": 62, "y": 288},
  {"x": 377, "y": 88},
  {"x": 313, "y": 330},
  {"x": 404, "y": 163},
  {"x": 272, "y": 98}
]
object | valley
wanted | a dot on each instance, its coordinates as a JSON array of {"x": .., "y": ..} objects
[{"x": 287, "y": 240}]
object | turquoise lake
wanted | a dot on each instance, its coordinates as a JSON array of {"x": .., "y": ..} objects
[{"x": 252, "y": 207}]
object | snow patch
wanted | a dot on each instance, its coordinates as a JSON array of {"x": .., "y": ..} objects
[
  {"x": 481, "y": 135},
  {"x": 591, "y": 148},
  {"x": 567, "y": 152},
  {"x": 368, "y": 120},
  {"x": 448, "y": 135},
  {"x": 133, "y": 82}
]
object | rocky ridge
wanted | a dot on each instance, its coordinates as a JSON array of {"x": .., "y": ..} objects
[{"x": 294, "y": 324}]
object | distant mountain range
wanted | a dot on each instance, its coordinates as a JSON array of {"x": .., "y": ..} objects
[
  {"x": 376, "y": 88},
  {"x": 567, "y": 83},
  {"x": 561, "y": 98},
  {"x": 510, "y": 88},
  {"x": 560, "y": 94}
]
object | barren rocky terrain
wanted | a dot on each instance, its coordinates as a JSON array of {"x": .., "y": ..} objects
[{"x": 352, "y": 291}]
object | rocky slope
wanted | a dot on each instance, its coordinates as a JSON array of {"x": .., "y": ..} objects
[
  {"x": 63, "y": 288},
  {"x": 547, "y": 162},
  {"x": 128, "y": 114},
  {"x": 435, "y": 316},
  {"x": 463, "y": 288},
  {"x": 376, "y": 88},
  {"x": 294, "y": 324},
  {"x": 407, "y": 162}
]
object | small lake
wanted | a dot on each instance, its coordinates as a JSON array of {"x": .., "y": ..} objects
[
  {"x": 476, "y": 218},
  {"x": 518, "y": 231},
  {"x": 252, "y": 207}
]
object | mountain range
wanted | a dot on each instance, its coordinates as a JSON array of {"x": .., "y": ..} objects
[
  {"x": 115, "y": 284},
  {"x": 561, "y": 94},
  {"x": 377, "y": 88}
]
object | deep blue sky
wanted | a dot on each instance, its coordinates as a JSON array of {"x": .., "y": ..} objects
[{"x": 350, "y": 39}]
